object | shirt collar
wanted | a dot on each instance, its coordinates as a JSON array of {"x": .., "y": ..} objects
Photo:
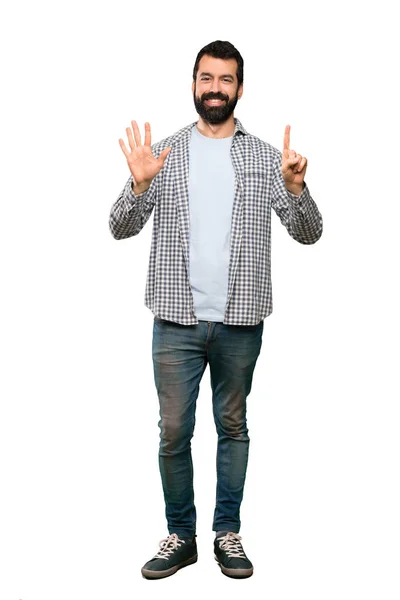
[{"x": 238, "y": 127}]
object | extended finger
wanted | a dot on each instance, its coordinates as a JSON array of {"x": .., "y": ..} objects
[
  {"x": 286, "y": 138},
  {"x": 136, "y": 133},
  {"x": 130, "y": 138},
  {"x": 123, "y": 147},
  {"x": 147, "y": 134}
]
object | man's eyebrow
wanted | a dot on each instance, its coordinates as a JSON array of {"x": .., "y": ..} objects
[{"x": 210, "y": 75}]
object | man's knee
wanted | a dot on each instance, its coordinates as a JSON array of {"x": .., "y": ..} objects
[
  {"x": 175, "y": 435},
  {"x": 232, "y": 425}
]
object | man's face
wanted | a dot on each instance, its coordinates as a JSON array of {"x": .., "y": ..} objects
[{"x": 215, "y": 91}]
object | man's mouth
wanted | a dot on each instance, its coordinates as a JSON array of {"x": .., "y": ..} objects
[{"x": 214, "y": 102}]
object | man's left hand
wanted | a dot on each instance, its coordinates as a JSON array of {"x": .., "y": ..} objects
[{"x": 294, "y": 166}]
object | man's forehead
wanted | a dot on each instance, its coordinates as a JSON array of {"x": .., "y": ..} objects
[{"x": 217, "y": 65}]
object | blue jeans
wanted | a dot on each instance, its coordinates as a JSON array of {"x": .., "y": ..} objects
[{"x": 180, "y": 356}]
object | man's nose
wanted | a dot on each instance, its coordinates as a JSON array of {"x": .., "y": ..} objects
[{"x": 215, "y": 87}]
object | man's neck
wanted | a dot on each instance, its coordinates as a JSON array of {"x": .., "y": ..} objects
[{"x": 221, "y": 130}]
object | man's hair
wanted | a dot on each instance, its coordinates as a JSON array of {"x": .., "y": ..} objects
[{"x": 225, "y": 50}]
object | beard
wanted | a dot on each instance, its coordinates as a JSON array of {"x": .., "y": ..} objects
[{"x": 215, "y": 114}]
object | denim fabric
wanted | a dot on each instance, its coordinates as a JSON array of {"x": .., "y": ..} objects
[{"x": 180, "y": 356}]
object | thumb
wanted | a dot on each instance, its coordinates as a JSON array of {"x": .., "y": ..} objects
[{"x": 164, "y": 154}]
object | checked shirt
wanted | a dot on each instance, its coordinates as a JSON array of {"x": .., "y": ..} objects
[{"x": 259, "y": 186}]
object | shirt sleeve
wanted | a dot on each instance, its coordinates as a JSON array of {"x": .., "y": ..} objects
[
  {"x": 130, "y": 213},
  {"x": 299, "y": 214}
]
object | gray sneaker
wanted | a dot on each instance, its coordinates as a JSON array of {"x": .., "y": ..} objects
[{"x": 174, "y": 554}]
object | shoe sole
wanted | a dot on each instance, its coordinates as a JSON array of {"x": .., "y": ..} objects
[
  {"x": 148, "y": 574},
  {"x": 235, "y": 573}
]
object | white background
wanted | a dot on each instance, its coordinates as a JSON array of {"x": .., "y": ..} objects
[{"x": 81, "y": 498}]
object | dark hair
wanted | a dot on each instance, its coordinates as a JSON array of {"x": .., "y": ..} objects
[{"x": 225, "y": 50}]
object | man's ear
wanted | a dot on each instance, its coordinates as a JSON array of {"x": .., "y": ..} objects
[
  {"x": 240, "y": 91},
  {"x": 192, "y": 87}
]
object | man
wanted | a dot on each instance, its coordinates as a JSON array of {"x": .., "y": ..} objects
[{"x": 211, "y": 185}]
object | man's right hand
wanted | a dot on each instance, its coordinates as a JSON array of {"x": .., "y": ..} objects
[{"x": 142, "y": 164}]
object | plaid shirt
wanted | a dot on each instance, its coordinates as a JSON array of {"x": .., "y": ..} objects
[{"x": 258, "y": 186}]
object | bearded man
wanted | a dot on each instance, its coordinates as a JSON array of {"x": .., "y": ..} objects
[{"x": 212, "y": 186}]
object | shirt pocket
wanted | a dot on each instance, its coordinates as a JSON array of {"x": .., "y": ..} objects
[{"x": 255, "y": 184}]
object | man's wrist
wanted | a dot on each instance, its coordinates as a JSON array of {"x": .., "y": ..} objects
[
  {"x": 295, "y": 189},
  {"x": 140, "y": 188}
]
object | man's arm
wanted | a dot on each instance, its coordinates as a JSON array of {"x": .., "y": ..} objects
[
  {"x": 133, "y": 207},
  {"x": 130, "y": 213},
  {"x": 291, "y": 198}
]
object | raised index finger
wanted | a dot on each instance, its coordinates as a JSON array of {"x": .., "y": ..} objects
[{"x": 286, "y": 138}]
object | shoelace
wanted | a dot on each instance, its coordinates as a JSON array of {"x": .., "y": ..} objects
[
  {"x": 168, "y": 546},
  {"x": 231, "y": 544}
]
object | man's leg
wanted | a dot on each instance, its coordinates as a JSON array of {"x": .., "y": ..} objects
[
  {"x": 179, "y": 362},
  {"x": 232, "y": 354}
]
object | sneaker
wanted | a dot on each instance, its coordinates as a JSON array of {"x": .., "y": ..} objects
[
  {"x": 175, "y": 553},
  {"x": 231, "y": 557}
]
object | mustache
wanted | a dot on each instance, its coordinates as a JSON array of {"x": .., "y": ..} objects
[{"x": 211, "y": 96}]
